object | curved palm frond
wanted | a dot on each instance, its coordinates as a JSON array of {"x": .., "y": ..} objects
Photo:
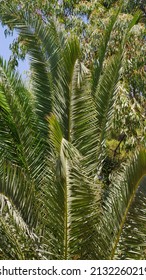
[
  {"x": 9, "y": 246},
  {"x": 106, "y": 91},
  {"x": 17, "y": 108},
  {"x": 63, "y": 89},
  {"x": 69, "y": 214},
  {"x": 118, "y": 217},
  {"x": 99, "y": 61},
  {"x": 16, "y": 240},
  {"x": 83, "y": 117},
  {"x": 106, "y": 94},
  {"x": 42, "y": 43},
  {"x": 22, "y": 160}
]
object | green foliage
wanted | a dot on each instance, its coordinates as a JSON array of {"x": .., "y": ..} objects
[{"x": 54, "y": 136}]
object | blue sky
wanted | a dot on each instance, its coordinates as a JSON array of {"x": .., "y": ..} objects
[{"x": 5, "y": 52}]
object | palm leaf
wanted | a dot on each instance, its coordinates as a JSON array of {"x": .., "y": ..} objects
[
  {"x": 15, "y": 237},
  {"x": 83, "y": 119},
  {"x": 85, "y": 213},
  {"x": 106, "y": 91},
  {"x": 106, "y": 94},
  {"x": 63, "y": 89},
  {"x": 42, "y": 44},
  {"x": 99, "y": 61},
  {"x": 20, "y": 191},
  {"x": 17, "y": 108},
  {"x": 70, "y": 193},
  {"x": 118, "y": 213},
  {"x": 56, "y": 196},
  {"x": 132, "y": 243},
  {"x": 9, "y": 246}
]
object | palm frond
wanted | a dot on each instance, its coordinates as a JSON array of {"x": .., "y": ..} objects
[
  {"x": 24, "y": 142},
  {"x": 85, "y": 213},
  {"x": 106, "y": 94},
  {"x": 42, "y": 44},
  {"x": 99, "y": 61},
  {"x": 68, "y": 195},
  {"x": 83, "y": 119},
  {"x": 56, "y": 195},
  {"x": 107, "y": 88},
  {"x": 62, "y": 92},
  {"x": 22, "y": 163},
  {"x": 118, "y": 213},
  {"x": 9, "y": 247},
  {"x": 15, "y": 237},
  {"x": 20, "y": 191},
  {"x": 132, "y": 243}
]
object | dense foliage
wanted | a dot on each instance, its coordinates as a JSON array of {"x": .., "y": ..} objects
[{"x": 72, "y": 144}]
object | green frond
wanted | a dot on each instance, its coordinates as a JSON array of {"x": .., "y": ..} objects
[
  {"x": 20, "y": 191},
  {"x": 22, "y": 141},
  {"x": 83, "y": 119},
  {"x": 15, "y": 237},
  {"x": 106, "y": 94},
  {"x": 132, "y": 243},
  {"x": 118, "y": 214},
  {"x": 10, "y": 248},
  {"x": 98, "y": 62},
  {"x": 71, "y": 201},
  {"x": 85, "y": 213},
  {"x": 22, "y": 164},
  {"x": 55, "y": 134},
  {"x": 56, "y": 196},
  {"x": 63, "y": 95},
  {"x": 43, "y": 48},
  {"x": 71, "y": 53}
]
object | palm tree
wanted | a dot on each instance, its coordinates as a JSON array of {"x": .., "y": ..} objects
[{"x": 52, "y": 141}]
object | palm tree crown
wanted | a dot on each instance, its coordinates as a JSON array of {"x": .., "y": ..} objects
[{"x": 53, "y": 141}]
